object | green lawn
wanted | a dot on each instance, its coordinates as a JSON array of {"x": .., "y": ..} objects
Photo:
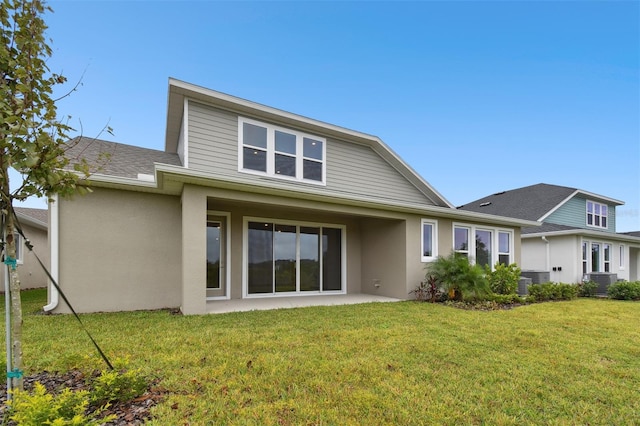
[{"x": 562, "y": 363}]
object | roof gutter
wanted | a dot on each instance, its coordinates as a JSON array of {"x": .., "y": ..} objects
[
  {"x": 584, "y": 233},
  {"x": 54, "y": 237}
]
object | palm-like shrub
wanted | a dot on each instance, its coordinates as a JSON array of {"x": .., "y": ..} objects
[{"x": 459, "y": 279}]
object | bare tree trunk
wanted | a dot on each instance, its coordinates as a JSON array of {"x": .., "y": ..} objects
[{"x": 16, "y": 306}]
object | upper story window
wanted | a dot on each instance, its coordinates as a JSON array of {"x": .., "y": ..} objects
[
  {"x": 597, "y": 214},
  {"x": 274, "y": 151}
]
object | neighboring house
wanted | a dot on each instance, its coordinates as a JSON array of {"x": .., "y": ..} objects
[
  {"x": 577, "y": 239},
  {"x": 34, "y": 226},
  {"x": 248, "y": 201}
]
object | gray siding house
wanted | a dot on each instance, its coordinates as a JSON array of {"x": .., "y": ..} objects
[
  {"x": 248, "y": 202},
  {"x": 577, "y": 239}
]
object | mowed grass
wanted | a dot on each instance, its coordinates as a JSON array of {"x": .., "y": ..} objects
[{"x": 408, "y": 363}]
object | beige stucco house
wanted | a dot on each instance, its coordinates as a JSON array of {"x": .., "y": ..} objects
[
  {"x": 33, "y": 223},
  {"x": 247, "y": 201}
]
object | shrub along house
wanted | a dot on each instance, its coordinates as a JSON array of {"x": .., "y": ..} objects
[
  {"x": 577, "y": 239},
  {"x": 248, "y": 201}
]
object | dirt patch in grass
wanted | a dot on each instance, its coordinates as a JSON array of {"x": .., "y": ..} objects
[{"x": 129, "y": 413}]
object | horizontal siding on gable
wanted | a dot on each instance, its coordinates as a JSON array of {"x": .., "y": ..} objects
[
  {"x": 358, "y": 169},
  {"x": 213, "y": 139},
  {"x": 574, "y": 213},
  {"x": 351, "y": 168}
]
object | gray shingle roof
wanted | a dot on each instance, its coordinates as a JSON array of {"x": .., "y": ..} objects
[
  {"x": 530, "y": 202},
  {"x": 122, "y": 160},
  {"x": 41, "y": 215},
  {"x": 632, "y": 234}
]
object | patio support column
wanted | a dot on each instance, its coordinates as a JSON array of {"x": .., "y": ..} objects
[{"x": 194, "y": 246}]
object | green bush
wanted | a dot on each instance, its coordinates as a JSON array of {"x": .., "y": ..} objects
[
  {"x": 552, "y": 291},
  {"x": 504, "y": 278},
  {"x": 587, "y": 289},
  {"x": 458, "y": 278},
  {"x": 624, "y": 290},
  {"x": 117, "y": 386},
  {"x": 42, "y": 408}
]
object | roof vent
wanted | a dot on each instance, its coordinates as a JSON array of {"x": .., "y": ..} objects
[
  {"x": 500, "y": 193},
  {"x": 485, "y": 204}
]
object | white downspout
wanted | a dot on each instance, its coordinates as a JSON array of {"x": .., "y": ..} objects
[
  {"x": 547, "y": 260},
  {"x": 53, "y": 241}
]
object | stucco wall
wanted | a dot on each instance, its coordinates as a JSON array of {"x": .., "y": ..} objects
[
  {"x": 383, "y": 257},
  {"x": 120, "y": 250},
  {"x": 566, "y": 257}
]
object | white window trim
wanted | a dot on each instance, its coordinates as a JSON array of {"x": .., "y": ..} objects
[
  {"x": 245, "y": 257},
  {"x": 621, "y": 253},
  {"x": 227, "y": 263},
  {"x": 601, "y": 244},
  {"x": 495, "y": 242},
  {"x": 271, "y": 129},
  {"x": 606, "y": 261},
  {"x": 453, "y": 239},
  {"x": 508, "y": 253},
  {"x": 585, "y": 250},
  {"x": 434, "y": 240},
  {"x": 586, "y": 217}
]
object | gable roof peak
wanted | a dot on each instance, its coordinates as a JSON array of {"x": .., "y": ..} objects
[{"x": 533, "y": 202}]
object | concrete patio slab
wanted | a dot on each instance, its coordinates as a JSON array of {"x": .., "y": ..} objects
[{"x": 266, "y": 303}]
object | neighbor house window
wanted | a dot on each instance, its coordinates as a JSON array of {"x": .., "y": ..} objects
[
  {"x": 275, "y": 151},
  {"x": 19, "y": 251},
  {"x": 621, "y": 259},
  {"x": 597, "y": 214},
  {"x": 490, "y": 246},
  {"x": 595, "y": 257},
  {"x": 286, "y": 258},
  {"x": 585, "y": 258},
  {"x": 429, "y": 240},
  {"x": 607, "y": 257}
]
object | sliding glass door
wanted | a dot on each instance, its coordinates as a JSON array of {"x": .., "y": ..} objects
[{"x": 284, "y": 257}]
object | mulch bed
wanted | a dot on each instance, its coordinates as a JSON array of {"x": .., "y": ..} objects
[{"x": 130, "y": 413}]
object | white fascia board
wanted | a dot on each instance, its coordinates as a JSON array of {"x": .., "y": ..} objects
[
  {"x": 28, "y": 220},
  {"x": 243, "y": 106},
  {"x": 589, "y": 195},
  {"x": 123, "y": 181}
]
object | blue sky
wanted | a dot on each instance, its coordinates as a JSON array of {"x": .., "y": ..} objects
[{"x": 478, "y": 97}]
